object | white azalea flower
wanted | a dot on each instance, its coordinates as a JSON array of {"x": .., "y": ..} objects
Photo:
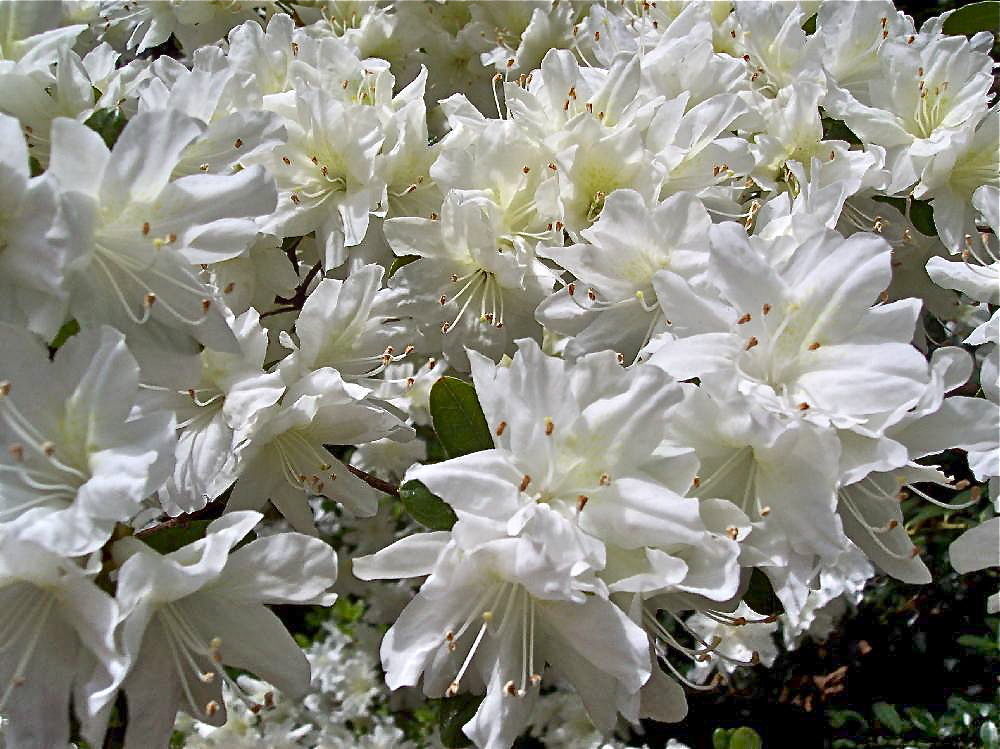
[
  {"x": 57, "y": 645},
  {"x": 282, "y": 457},
  {"x": 76, "y": 460},
  {"x": 186, "y": 614},
  {"x": 134, "y": 235},
  {"x": 491, "y": 615},
  {"x": 748, "y": 639}
]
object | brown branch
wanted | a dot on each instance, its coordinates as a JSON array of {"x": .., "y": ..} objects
[{"x": 374, "y": 481}]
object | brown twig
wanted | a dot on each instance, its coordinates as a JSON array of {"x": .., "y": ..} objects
[{"x": 374, "y": 481}]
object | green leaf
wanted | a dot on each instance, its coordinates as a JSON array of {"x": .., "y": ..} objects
[
  {"x": 429, "y": 510},
  {"x": 400, "y": 261},
  {"x": 984, "y": 644},
  {"x": 453, "y": 713},
  {"x": 745, "y": 738},
  {"x": 888, "y": 717},
  {"x": 35, "y": 165},
  {"x": 167, "y": 540},
  {"x": 108, "y": 123},
  {"x": 760, "y": 595},
  {"x": 810, "y": 24},
  {"x": 67, "y": 331},
  {"x": 720, "y": 738},
  {"x": 973, "y": 18},
  {"x": 922, "y": 719},
  {"x": 458, "y": 418}
]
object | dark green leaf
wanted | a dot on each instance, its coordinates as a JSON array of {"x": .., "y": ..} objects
[
  {"x": 400, "y": 261},
  {"x": 35, "y": 165},
  {"x": 923, "y": 720},
  {"x": 838, "y": 130},
  {"x": 888, "y": 717},
  {"x": 810, "y": 25},
  {"x": 973, "y": 18},
  {"x": 760, "y": 595},
  {"x": 427, "y": 509},
  {"x": 453, "y": 713},
  {"x": 167, "y": 540},
  {"x": 978, "y": 643},
  {"x": 108, "y": 123},
  {"x": 458, "y": 418}
]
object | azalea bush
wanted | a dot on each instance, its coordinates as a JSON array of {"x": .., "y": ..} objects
[{"x": 480, "y": 373}]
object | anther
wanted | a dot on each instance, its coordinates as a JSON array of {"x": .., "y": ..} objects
[
  {"x": 765, "y": 511},
  {"x": 525, "y": 480},
  {"x": 571, "y": 288},
  {"x": 549, "y": 426},
  {"x": 525, "y": 169},
  {"x": 211, "y": 708},
  {"x": 145, "y": 228},
  {"x": 4, "y": 388},
  {"x": 581, "y": 502},
  {"x": 295, "y": 198},
  {"x": 207, "y": 677},
  {"x": 591, "y": 295},
  {"x": 500, "y": 427},
  {"x": 203, "y": 168},
  {"x": 238, "y": 143},
  {"x": 745, "y": 319},
  {"x": 149, "y": 299},
  {"x": 552, "y": 166},
  {"x": 16, "y": 452},
  {"x": 604, "y": 479},
  {"x": 803, "y": 406},
  {"x": 695, "y": 483},
  {"x": 733, "y": 532},
  {"x": 814, "y": 345},
  {"x": 49, "y": 448},
  {"x": 442, "y": 299},
  {"x": 766, "y": 308},
  {"x": 228, "y": 288},
  {"x": 751, "y": 343},
  {"x": 206, "y": 305},
  {"x": 510, "y": 688}
]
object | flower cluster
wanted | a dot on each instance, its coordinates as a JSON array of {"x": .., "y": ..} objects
[{"x": 723, "y": 275}]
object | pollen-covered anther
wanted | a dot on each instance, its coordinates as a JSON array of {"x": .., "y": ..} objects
[
  {"x": 571, "y": 289},
  {"x": 743, "y": 320},
  {"x": 525, "y": 480},
  {"x": 552, "y": 166},
  {"x": 445, "y": 327},
  {"x": 295, "y": 199},
  {"x": 751, "y": 342},
  {"x": 591, "y": 295},
  {"x": 733, "y": 532},
  {"x": 49, "y": 448},
  {"x": 621, "y": 358},
  {"x": 535, "y": 679},
  {"x": 765, "y": 308},
  {"x": 228, "y": 288},
  {"x": 695, "y": 482},
  {"x": 814, "y": 345},
  {"x": 765, "y": 511},
  {"x": 145, "y": 228},
  {"x": 500, "y": 427},
  {"x": 549, "y": 426},
  {"x": 211, "y": 708},
  {"x": 525, "y": 169},
  {"x": 149, "y": 299},
  {"x": 604, "y": 479},
  {"x": 4, "y": 388},
  {"x": 803, "y": 406},
  {"x": 581, "y": 502},
  {"x": 207, "y": 677},
  {"x": 16, "y": 452},
  {"x": 203, "y": 168},
  {"x": 206, "y": 305},
  {"x": 238, "y": 143},
  {"x": 215, "y": 645},
  {"x": 754, "y": 658}
]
